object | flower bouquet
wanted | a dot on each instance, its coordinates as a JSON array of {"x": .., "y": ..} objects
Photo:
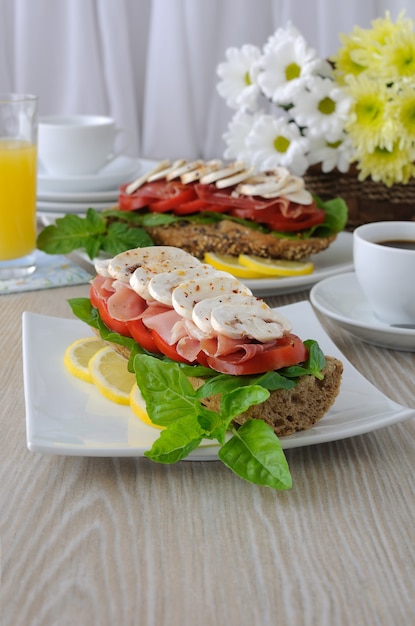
[{"x": 346, "y": 124}]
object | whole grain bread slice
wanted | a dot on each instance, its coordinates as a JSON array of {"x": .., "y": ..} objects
[
  {"x": 292, "y": 410},
  {"x": 286, "y": 410},
  {"x": 229, "y": 237}
]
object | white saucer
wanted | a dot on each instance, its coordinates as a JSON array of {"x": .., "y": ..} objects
[
  {"x": 342, "y": 300},
  {"x": 122, "y": 170}
]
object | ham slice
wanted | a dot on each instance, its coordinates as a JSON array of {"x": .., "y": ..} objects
[
  {"x": 102, "y": 286},
  {"x": 188, "y": 348},
  {"x": 162, "y": 319},
  {"x": 124, "y": 304}
]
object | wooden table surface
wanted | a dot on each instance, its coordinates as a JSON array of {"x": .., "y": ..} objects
[{"x": 125, "y": 541}]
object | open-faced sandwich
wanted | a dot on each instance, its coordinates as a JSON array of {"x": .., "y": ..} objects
[
  {"x": 211, "y": 360},
  {"x": 229, "y": 209},
  {"x": 206, "y": 208}
]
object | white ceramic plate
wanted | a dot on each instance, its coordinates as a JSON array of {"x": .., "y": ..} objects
[
  {"x": 342, "y": 300},
  {"x": 338, "y": 258},
  {"x": 122, "y": 170},
  {"x": 72, "y": 207},
  {"x": 67, "y": 416},
  {"x": 95, "y": 196}
]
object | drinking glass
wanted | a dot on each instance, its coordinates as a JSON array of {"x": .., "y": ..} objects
[{"x": 18, "y": 171}]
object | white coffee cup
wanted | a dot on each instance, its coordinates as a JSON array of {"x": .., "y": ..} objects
[
  {"x": 71, "y": 145},
  {"x": 385, "y": 271}
]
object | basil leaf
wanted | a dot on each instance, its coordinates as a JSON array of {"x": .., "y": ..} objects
[
  {"x": 316, "y": 360},
  {"x": 224, "y": 383},
  {"x": 70, "y": 233},
  {"x": 168, "y": 393},
  {"x": 214, "y": 425},
  {"x": 239, "y": 400},
  {"x": 336, "y": 217},
  {"x": 275, "y": 380},
  {"x": 159, "y": 219},
  {"x": 176, "y": 442},
  {"x": 83, "y": 309},
  {"x": 255, "y": 454},
  {"x": 121, "y": 236},
  {"x": 94, "y": 232},
  {"x": 130, "y": 217},
  {"x": 220, "y": 384},
  {"x": 315, "y": 363}
]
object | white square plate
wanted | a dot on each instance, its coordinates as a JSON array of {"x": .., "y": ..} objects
[{"x": 67, "y": 416}]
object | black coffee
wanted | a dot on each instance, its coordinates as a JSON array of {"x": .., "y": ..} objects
[{"x": 404, "y": 244}]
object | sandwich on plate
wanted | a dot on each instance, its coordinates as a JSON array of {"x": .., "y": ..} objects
[
  {"x": 229, "y": 209},
  {"x": 207, "y": 208},
  {"x": 212, "y": 361}
]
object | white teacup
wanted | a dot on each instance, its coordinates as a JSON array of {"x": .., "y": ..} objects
[
  {"x": 384, "y": 262},
  {"x": 71, "y": 145}
]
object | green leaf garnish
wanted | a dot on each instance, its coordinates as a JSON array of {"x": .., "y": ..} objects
[
  {"x": 176, "y": 442},
  {"x": 255, "y": 454},
  {"x": 94, "y": 233}
]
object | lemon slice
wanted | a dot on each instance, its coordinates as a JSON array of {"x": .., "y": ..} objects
[
  {"x": 228, "y": 263},
  {"x": 276, "y": 267},
  {"x": 138, "y": 407},
  {"x": 78, "y": 354},
  {"x": 109, "y": 372}
]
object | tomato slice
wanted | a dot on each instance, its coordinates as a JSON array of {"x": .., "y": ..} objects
[
  {"x": 131, "y": 202},
  {"x": 289, "y": 350},
  {"x": 166, "y": 349},
  {"x": 307, "y": 220},
  {"x": 274, "y": 219},
  {"x": 116, "y": 325},
  {"x": 194, "y": 206},
  {"x": 173, "y": 202},
  {"x": 162, "y": 194},
  {"x": 142, "y": 335}
]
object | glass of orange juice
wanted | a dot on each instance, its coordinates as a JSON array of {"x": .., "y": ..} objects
[{"x": 18, "y": 172}]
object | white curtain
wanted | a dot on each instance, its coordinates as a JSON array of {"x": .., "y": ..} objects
[{"x": 151, "y": 64}]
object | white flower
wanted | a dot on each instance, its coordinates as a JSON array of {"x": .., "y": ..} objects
[
  {"x": 322, "y": 107},
  {"x": 235, "y": 137},
  {"x": 276, "y": 141},
  {"x": 238, "y": 85},
  {"x": 305, "y": 111},
  {"x": 286, "y": 61},
  {"x": 331, "y": 155}
]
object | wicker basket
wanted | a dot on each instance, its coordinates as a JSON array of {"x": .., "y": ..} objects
[{"x": 367, "y": 200}]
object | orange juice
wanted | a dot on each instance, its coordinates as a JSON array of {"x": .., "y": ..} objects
[{"x": 17, "y": 198}]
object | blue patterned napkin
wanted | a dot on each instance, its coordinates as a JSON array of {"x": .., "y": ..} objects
[{"x": 51, "y": 271}]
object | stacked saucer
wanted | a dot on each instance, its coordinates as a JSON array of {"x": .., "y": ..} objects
[{"x": 75, "y": 194}]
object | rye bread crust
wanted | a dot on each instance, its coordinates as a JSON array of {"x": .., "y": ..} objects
[{"x": 229, "y": 237}]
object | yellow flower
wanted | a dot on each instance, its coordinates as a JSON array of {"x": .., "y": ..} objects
[
  {"x": 398, "y": 57},
  {"x": 367, "y": 125},
  {"x": 344, "y": 60},
  {"x": 389, "y": 167},
  {"x": 376, "y": 68},
  {"x": 369, "y": 49},
  {"x": 402, "y": 110}
]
